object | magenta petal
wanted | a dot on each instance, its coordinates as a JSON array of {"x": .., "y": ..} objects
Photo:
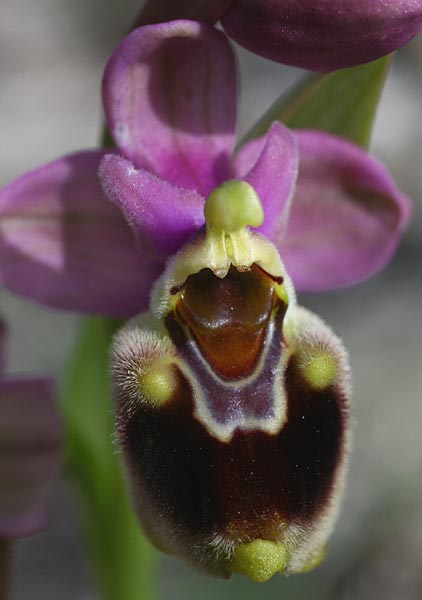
[
  {"x": 347, "y": 215},
  {"x": 163, "y": 216},
  {"x": 64, "y": 244},
  {"x": 29, "y": 454},
  {"x": 270, "y": 165},
  {"x": 323, "y": 34},
  {"x": 169, "y": 94}
]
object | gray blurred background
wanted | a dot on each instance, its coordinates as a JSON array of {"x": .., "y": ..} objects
[{"x": 51, "y": 57}]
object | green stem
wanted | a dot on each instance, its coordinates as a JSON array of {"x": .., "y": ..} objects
[
  {"x": 124, "y": 562},
  {"x": 343, "y": 103}
]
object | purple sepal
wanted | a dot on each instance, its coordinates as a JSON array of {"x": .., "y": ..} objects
[
  {"x": 169, "y": 94},
  {"x": 347, "y": 215},
  {"x": 64, "y": 244}
]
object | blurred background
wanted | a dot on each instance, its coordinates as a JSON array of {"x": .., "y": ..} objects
[{"x": 52, "y": 53}]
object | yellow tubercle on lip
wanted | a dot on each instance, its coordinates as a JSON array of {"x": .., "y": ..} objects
[
  {"x": 158, "y": 382},
  {"x": 320, "y": 369},
  {"x": 260, "y": 560}
]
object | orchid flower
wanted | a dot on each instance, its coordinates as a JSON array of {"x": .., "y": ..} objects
[
  {"x": 29, "y": 451},
  {"x": 233, "y": 405},
  {"x": 232, "y": 401}
]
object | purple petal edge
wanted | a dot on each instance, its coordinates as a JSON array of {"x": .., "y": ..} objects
[
  {"x": 270, "y": 165},
  {"x": 163, "y": 216},
  {"x": 347, "y": 215}
]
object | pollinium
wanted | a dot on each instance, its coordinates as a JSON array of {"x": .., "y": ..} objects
[{"x": 232, "y": 405}]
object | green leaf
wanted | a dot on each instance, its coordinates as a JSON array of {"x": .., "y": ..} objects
[
  {"x": 343, "y": 103},
  {"x": 124, "y": 561}
]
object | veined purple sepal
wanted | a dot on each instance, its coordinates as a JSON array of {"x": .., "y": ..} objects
[{"x": 232, "y": 406}]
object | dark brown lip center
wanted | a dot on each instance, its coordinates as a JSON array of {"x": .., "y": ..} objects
[{"x": 228, "y": 317}]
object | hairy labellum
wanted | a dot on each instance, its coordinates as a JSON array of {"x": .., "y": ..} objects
[{"x": 232, "y": 405}]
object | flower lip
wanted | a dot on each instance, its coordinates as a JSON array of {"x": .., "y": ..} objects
[{"x": 247, "y": 479}]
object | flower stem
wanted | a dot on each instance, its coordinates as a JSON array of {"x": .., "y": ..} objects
[{"x": 123, "y": 560}]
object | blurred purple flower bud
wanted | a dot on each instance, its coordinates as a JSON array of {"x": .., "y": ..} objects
[
  {"x": 29, "y": 452},
  {"x": 323, "y": 35}
]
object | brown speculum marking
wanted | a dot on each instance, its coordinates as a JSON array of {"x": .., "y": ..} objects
[
  {"x": 245, "y": 487},
  {"x": 228, "y": 317}
]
